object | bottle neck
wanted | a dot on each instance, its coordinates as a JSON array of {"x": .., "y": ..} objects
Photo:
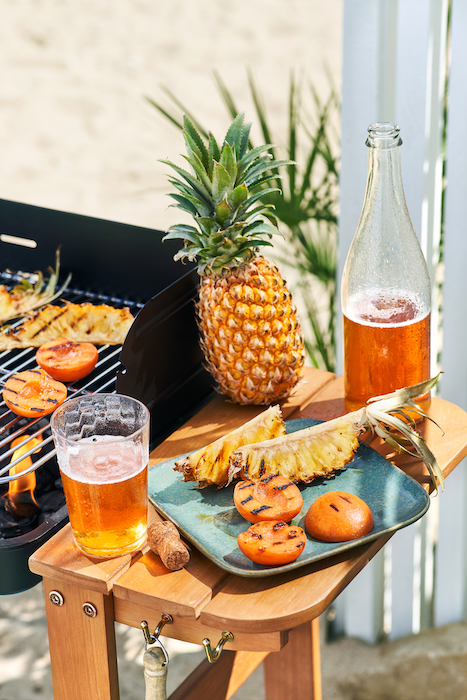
[
  {"x": 384, "y": 165},
  {"x": 384, "y": 176}
]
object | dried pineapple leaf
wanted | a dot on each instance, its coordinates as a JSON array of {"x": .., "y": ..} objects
[
  {"x": 408, "y": 393},
  {"x": 378, "y": 415},
  {"x": 28, "y": 296}
]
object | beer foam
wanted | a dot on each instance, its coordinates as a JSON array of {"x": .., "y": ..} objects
[{"x": 104, "y": 459}]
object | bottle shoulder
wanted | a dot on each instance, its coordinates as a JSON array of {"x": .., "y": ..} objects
[{"x": 385, "y": 262}]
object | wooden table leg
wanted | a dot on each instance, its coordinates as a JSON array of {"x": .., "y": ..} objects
[
  {"x": 82, "y": 648},
  {"x": 295, "y": 670},
  {"x": 219, "y": 681}
]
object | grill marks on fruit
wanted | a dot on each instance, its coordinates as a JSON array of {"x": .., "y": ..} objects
[
  {"x": 255, "y": 511},
  {"x": 337, "y": 516},
  {"x": 60, "y": 347},
  {"x": 99, "y": 324},
  {"x": 60, "y": 312},
  {"x": 272, "y": 543},
  {"x": 33, "y": 393},
  {"x": 270, "y": 498},
  {"x": 66, "y": 360},
  {"x": 301, "y": 456},
  {"x": 270, "y": 477},
  {"x": 211, "y": 465},
  {"x": 247, "y": 499},
  {"x": 344, "y": 498}
]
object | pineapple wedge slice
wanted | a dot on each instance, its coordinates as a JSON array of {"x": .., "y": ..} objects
[
  {"x": 210, "y": 464},
  {"x": 83, "y": 323},
  {"x": 327, "y": 447},
  {"x": 301, "y": 456}
]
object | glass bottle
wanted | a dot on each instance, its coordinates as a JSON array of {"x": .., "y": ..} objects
[{"x": 386, "y": 289}]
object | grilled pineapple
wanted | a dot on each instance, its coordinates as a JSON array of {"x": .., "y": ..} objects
[
  {"x": 327, "y": 447},
  {"x": 210, "y": 464},
  {"x": 77, "y": 322},
  {"x": 301, "y": 456}
]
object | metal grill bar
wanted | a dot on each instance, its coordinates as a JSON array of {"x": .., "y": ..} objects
[{"x": 102, "y": 379}]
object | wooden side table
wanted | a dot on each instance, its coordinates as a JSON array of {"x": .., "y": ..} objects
[{"x": 274, "y": 619}]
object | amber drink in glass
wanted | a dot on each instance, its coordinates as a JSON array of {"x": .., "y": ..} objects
[{"x": 102, "y": 446}]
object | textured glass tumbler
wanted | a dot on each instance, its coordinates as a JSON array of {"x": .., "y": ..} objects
[{"x": 102, "y": 444}]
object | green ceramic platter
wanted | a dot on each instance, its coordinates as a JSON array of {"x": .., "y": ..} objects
[{"x": 210, "y": 521}]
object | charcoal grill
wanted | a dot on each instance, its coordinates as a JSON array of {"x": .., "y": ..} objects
[{"x": 160, "y": 362}]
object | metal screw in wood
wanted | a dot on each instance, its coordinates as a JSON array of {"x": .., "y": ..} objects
[
  {"x": 89, "y": 609},
  {"x": 56, "y": 598}
]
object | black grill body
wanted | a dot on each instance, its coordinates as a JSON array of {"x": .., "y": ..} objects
[{"x": 160, "y": 363}]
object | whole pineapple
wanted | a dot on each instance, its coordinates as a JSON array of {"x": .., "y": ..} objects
[{"x": 250, "y": 333}]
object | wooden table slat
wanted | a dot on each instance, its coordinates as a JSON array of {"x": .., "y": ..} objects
[
  {"x": 183, "y": 593},
  {"x": 60, "y": 559},
  {"x": 284, "y": 601},
  {"x": 191, "y": 630}
]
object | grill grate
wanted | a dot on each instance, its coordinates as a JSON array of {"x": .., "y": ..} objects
[{"x": 101, "y": 379}]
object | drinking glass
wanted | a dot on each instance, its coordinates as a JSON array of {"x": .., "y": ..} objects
[{"x": 102, "y": 443}]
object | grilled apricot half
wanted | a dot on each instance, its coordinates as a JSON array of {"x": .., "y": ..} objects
[
  {"x": 272, "y": 542},
  {"x": 273, "y": 497},
  {"x": 33, "y": 393},
  {"x": 66, "y": 360}
]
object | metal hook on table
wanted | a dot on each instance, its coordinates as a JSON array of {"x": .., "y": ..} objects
[
  {"x": 211, "y": 655},
  {"x": 153, "y": 638}
]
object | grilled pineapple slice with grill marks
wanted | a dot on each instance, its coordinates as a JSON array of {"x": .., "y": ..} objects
[
  {"x": 328, "y": 447},
  {"x": 82, "y": 323},
  {"x": 210, "y": 464},
  {"x": 301, "y": 456}
]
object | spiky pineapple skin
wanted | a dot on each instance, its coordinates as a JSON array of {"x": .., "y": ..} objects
[{"x": 250, "y": 333}]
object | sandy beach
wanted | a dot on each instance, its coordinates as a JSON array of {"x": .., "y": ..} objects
[{"x": 76, "y": 132}]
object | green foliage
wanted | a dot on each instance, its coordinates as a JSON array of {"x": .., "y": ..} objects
[
  {"x": 220, "y": 195},
  {"x": 304, "y": 200}
]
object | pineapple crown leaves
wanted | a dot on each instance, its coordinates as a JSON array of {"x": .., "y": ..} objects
[
  {"x": 222, "y": 191},
  {"x": 390, "y": 411}
]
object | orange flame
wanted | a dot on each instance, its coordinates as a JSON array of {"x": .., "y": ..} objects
[{"x": 20, "y": 500}]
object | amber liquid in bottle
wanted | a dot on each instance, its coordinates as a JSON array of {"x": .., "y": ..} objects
[{"x": 395, "y": 329}]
